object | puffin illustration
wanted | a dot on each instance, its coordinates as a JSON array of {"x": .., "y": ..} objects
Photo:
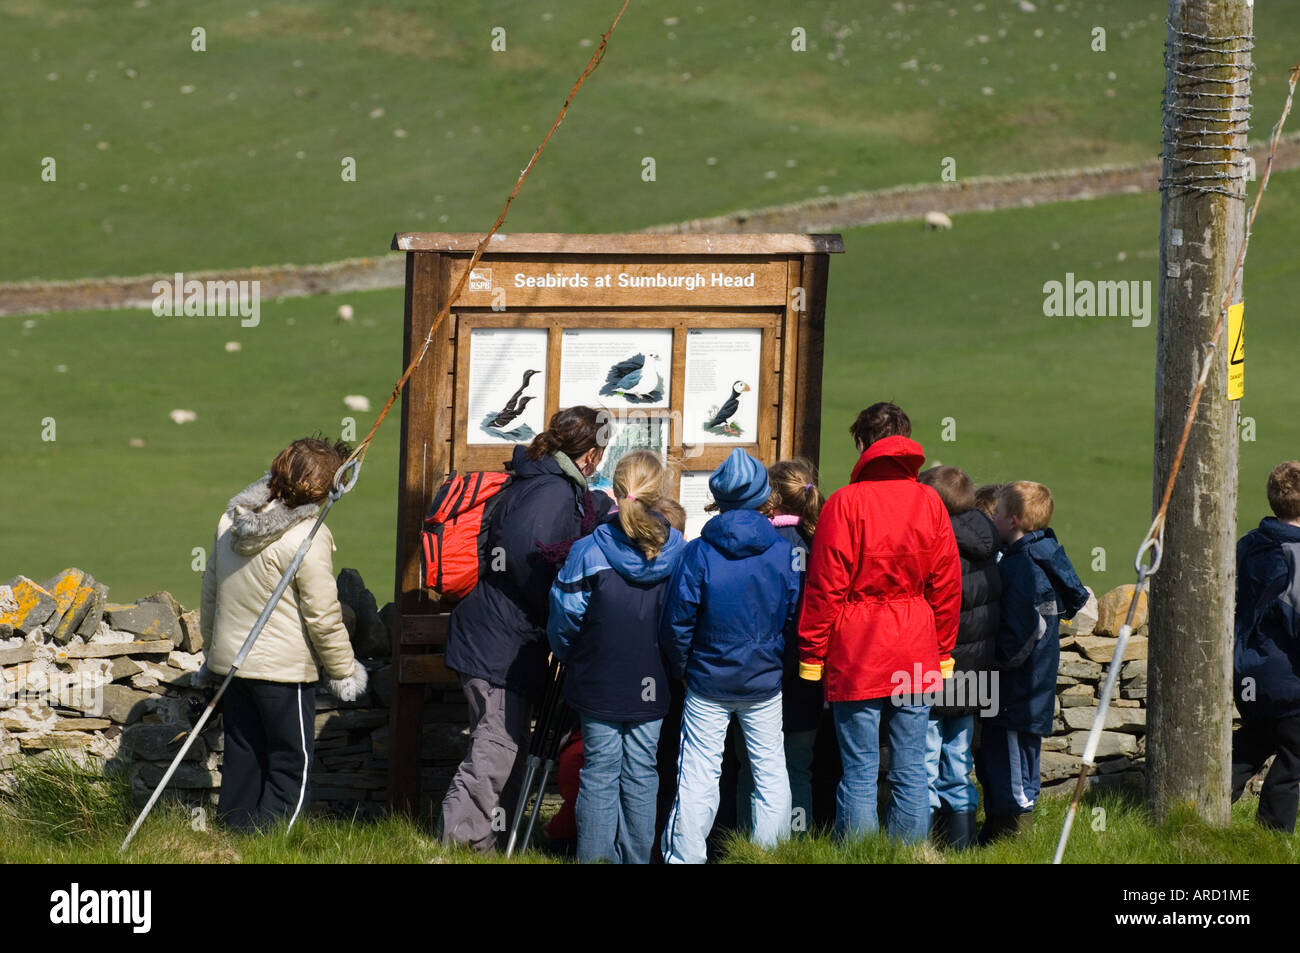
[
  {"x": 515, "y": 405},
  {"x": 639, "y": 379},
  {"x": 728, "y": 409}
]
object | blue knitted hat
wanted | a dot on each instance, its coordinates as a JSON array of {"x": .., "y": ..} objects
[{"x": 740, "y": 483}]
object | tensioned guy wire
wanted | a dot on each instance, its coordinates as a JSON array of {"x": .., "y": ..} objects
[{"x": 1194, "y": 112}]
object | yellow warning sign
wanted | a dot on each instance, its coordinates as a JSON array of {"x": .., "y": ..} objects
[{"x": 1237, "y": 351}]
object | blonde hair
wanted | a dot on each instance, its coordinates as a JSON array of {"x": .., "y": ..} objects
[
  {"x": 795, "y": 493},
  {"x": 639, "y": 489},
  {"x": 1029, "y": 502}
]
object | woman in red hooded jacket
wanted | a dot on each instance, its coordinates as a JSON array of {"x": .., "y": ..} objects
[{"x": 881, "y": 605}]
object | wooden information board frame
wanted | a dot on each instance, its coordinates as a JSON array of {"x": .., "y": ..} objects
[{"x": 775, "y": 283}]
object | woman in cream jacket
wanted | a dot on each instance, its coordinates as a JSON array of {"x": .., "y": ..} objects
[{"x": 269, "y": 708}]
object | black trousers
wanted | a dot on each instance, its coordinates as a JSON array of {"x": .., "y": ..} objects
[
  {"x": 269, "y": 738},
  {"x": 1252, "y": 744}
]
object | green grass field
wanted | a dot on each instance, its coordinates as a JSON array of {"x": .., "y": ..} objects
[
  {"x": 949, "y": 324},
  {"x": 174, "y": 160},
  {"x": 60, "y": 814}
]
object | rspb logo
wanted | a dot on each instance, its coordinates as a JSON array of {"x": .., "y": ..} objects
[{"x": 480, "y": 279}]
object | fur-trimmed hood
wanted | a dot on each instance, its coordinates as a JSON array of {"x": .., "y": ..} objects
[{"x": 258, "y": 521}]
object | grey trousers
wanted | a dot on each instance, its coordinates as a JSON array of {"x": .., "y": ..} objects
[{"x": 480, "y": 803}]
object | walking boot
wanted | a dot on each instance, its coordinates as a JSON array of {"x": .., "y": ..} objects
[
  {"x": 998, "y": 826},
  {"x": 961, "y": 830}
]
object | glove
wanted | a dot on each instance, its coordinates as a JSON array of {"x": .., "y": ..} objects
[
  {"x": 810, "y": 671},
  {"x": 946, "y": 666},
  {"x": 351, "y": 688}
]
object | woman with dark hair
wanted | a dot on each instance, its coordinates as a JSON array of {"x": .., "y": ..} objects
[{"x": 496, "y": 639}]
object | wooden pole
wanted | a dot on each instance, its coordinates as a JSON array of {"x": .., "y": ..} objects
[{"x": 1202, "y": 218}]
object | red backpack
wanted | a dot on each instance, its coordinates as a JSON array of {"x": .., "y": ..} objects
[{"x": 455, "y": 534}]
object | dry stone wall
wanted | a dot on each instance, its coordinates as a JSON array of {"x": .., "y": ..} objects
[{"x": 115, "y": 682}]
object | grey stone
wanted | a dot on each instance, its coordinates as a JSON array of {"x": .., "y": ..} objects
[
  {"x": 149, "y": 620},
  {"x": 186, "y": 776},
  {"x": 1131, "y": 720},
  {"x": 124, "y": 667},
  {"x": 1076, "y": 695},
  {"x": 371, "y": 638},
  {"x": 1110, "y": 743},
  {"x": 94, "y": 613},
  {"x": 1134, "y": 674},
  {"x": 74, "y": 593},
  {"x": 35, "y": 605},
  {"x": 1114, "y": 765},
  {"x": 160, "y": 742},
  {"x": 190, "y": 639},
  {"x": 1055, "y": 765},
  {"x": 123, "y": 705},
  {"x": 1055, "y": 743},
  {"x": 1138, "y": 694},
  {"x": 18, "y": 654},
  {"x": 1076, "y": 666},
  {"x": 110, "y": 649}
]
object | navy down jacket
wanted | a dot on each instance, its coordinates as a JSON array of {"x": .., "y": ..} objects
[
  {"x": 498, "y": 631},
  {"x": 728, "y": 605},
  {"x": 1039, "y": 588},
  {"x": 1266, "y": 648},
  {"x": 604, "y": 625}
]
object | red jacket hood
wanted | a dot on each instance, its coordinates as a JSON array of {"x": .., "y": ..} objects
[{"x": 890, "y": 458}]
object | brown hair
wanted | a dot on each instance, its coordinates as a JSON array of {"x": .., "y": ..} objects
[
  {"x": 1029, "y": 502},
  {"x": 673, "y": 512},
  {"x": 303, "y": 472},
  {"x": 986, "y": 498},
  {"x": 795, "y": 493},
  {"x": 639, "y": 490},
  {"x": 879, "y": 421},
  {"x": 1284, "y": 490},
  {"x": 954, "y": 487},
  {"x": 573, "y": 430}
]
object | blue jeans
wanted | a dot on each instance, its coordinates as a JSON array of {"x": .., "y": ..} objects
[
  {"x": 699, "y": 768},
  {"x": 857, "y": 726},
  {"x": 616, "y": 791},
  {"x": 798, "y": 765},
  {"x": 949, "y": 762}
]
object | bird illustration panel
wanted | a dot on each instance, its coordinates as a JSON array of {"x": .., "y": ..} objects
[
  {"x": 720, "y": 401},
  {"x": 616, "y": 367},
  {"x": 506, "y": 400}
]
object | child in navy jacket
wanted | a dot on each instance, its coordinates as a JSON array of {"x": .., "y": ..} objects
[
  {"x": 1039, "y": 588},
  {"x": 1266, "y": 654},
  {"x": 723, "y": 628},
  {"x": 603, "y": 624}
]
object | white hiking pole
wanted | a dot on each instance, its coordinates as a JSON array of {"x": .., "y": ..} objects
[
  {"x": 1155, "y": 545},
  {"x": 344, "y": 480}
]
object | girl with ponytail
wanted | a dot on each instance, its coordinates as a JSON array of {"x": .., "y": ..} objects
[
  {"x": 604, "y": 618},
  {"x": 793, "y": 508}
]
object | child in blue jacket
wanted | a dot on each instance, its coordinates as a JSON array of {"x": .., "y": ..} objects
[
  {"x": 1266, "y": 654},
  {"x": 603, "y": 624},
  {"x": 723, "y": 629},
  {"x": 1039, "y": 588}
]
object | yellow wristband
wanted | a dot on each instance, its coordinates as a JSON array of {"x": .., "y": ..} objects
[
  {"x": 810, "y": 671},
  {"x": 946, "y": 667}
]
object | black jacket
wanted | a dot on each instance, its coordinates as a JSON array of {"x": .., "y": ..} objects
[
  {"x": 981, "y": 589},
  {"x": 498, "y": 631}
]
